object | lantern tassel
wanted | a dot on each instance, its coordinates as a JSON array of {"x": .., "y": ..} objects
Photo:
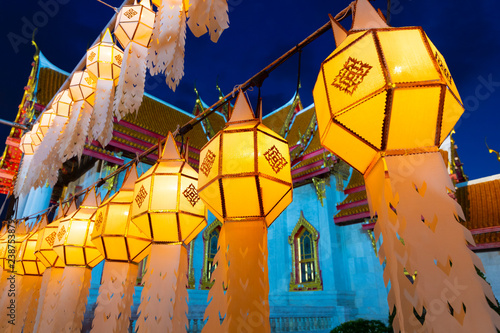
[
  {"x": 431, "y": 269},
  {"x": 80, "y": 135},
  {"x": 72, "y": 300},
  {"x": 69, "y": 130},
  {"x": 22, "y": 174},
  {"x": 217, "y": 301},
  {"x": 115, "y": 299},
  {"x": 28, "y": 303},
  {"x": 211, "y": 14},
  {"x": 248, "y": 284},
  {"x": 49, "y": 299},
  {"x": 102, "y": 130},
  {"x": 130, "y": 88},
  {"x": 164, "y": 297}
]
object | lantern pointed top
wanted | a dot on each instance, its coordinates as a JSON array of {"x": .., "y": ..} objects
[
  {"x": 366, "y": 17},
  {"x": 339, "y": 33},
  {"x": 21, "y": 227},
  {"x": 146, "y": 3},
  {"x": 90, "y": 199},
  {"x": 242, "y": 110},
  {"x": 106, "y": 38},
  {"x": 130, "y": 178},
  {"x": 170, "y": 151},
  {"x": 71, "y": 209},
  {"x": 43, "y": 222},
  {"x": 60, "y": 211}
]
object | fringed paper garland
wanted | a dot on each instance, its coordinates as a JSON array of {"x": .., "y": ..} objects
[
  {"x": 115, "y": 299},
  {"x": 72, "y": 299},
  {"x": 166, "y": 51},
  {"x": 69, "y": 130},
  {"x": 102, "y": 129},
  {"x": 211, "y": 14},
  {"x": 217, "y": 300},
  {"x": 163, "y": 300},
  {"x": 29, "y": 294},
  {"x": 76, "y": 142},
  {"x": 49, "y": 299},
  {"x": 428, "y": 263},
  {"x": 130, "y": 88}
]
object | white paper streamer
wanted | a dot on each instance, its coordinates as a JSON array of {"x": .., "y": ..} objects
[
  {"x": 65, "y": 138},
  {"x": 102, "y": 130},
  {"x": 208, "y": 14}
]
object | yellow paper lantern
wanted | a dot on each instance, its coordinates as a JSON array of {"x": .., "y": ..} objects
[
  {"x": 62, "y": 103},
  {"x": 46, "y": 120},
  {"x": 36, "y": 134},
  {"x": 104, "y": 59},
  {"x": 114, "y": 235},
  {"x": 135, "y": 23},
  {"x": 27, "y": 262},
  {"x": 245, "y": 169},
  {"x": 9, "y": 246},
  {"x": 73, "y": 243},
  {"x": 82, "y": 87},
  {"x": 383, "y": 90},
  {"x": 47, "y": 236},
  {"x": 166, "y": 204},
  {"x": 26, "y": 145}
]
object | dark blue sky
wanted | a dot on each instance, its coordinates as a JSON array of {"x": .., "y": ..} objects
[{"x": 466, "y": 32}]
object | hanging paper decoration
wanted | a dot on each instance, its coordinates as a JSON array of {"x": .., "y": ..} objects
[
  {"x": 46, "y": 119},
  {"x": 26, "y": 145},
  {"x": 123, "y": 246},
  {"x": 166, "y": 207},
  {"x": 52, "y": 277},
  {"x": 104, "y": 60},
  {"x": 133, "y": 29},
  {"x": 385, "y": 100},
  {"x": 79, "y": 254},
  {"x": 166, "y": 51},
  {"x": 211, "y": 14},
  {"x": 31, "y": 269},
  {"x": 246, "y": 181}
]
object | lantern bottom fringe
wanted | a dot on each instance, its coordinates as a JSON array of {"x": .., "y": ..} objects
[
  {"x": 49, "y": 295},
  {"x": 28, "y": 297},
  {"x": 164, "y": 297},
  {"x": 115, "y": 299},
  {"x": 70, "y": 307},
  {"x": 431, "y": 270}
]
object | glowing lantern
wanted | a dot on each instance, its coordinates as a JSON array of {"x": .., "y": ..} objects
[
  {"x": 47, "y": 236},
  {"x": 62, "y": 103},
  {"x": 166, "y": 207},
  {"x": 385, "y": 100},
  {"x": 27, "y": 146},
  {"x": 123, "y": 246},
  {"x": 46, "y": 120},
  {"x": 104, "y": 60},
  {"x": 36, "y": 135},
  {"x": 8, "y": 254},
  {"x": 82, "y": 87},
  {"x": 134, "y": 25},
  {"x": 245, "y": 179},
  {"x": 27, "y": 262}
]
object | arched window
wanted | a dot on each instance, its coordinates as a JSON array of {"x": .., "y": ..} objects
[
  {"x": 306, "y": 274},
  {"x": 210, "y": 240}
]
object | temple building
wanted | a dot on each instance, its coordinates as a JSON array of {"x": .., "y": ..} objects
[{"x": 323, "y": 264}]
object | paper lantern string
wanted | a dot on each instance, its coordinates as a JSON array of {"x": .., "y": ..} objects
[
  {"x": 114, "y": 8},
  {"x": 211, "y": 109}
]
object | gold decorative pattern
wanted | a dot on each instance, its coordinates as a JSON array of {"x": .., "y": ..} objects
[
  {"x": 119, "y": 59},
  {"x": 98, "y": 221},
  {"x": 207, "y": 163},
  {"x": 141, "y": 196},
  {"x": 51, "y": 238},
  {"x": 92, "y": 56},
  {"x": 205, "y": 282},
  {"x": 61, "y": 233},
  {"x": 320, "y": 185},
  {"x": 191, "y": 194},
  {"x": 295, "y": 284},
  {"x": 89, "y": 80},
  {"x": 275, "y": 159},
  {"x": 130, "y": 13},
  {"x": 351, "y": 75}
]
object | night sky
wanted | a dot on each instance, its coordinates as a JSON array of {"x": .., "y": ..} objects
[{"x": 467, "y": 33}]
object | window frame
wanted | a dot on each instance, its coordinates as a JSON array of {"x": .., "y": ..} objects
[{"x": 205, "y": 283}]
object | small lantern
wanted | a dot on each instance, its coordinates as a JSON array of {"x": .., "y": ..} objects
[
  {"x": 27, "y": 146},
  {"x": 72, "y": 241},
  {"x": 27, "y": 262},
  {"x": 166, "y": 205},
  {"x": 245, "y": 169},
  {"x": 7, "y": 256},
  {"x": 47, "y": 236},
  {"x": 116, "y": 237},
  {"x": 383, "y": 89},
  {"x": 62, "y": 103},
  {"x": 135, "y": 23},
  {"x": 36, "y": 135},
  {"x": 104, "y": 59},
  {"x": 46, "y": 120},
  {"x": 82, "y": 87}
]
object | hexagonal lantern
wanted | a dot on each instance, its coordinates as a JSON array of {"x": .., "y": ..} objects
[
  {"x": 73, "y": 243},
  {"x": 62, "y": 103},
  {"x": 26, "y": 145},
  {"x": 7, "y": 258},
  {"x": 104, "y": 59},
  {"x": 82, "y": 87},
  {"x": 47, "y": 236},
  {"x": 135, "y": 22},
  {"x": 372, "y": 91},
  {"x": 46, "y": 120},
  {"x": 27, "y": 262},
  {"x": 245, "y": 169},
  {"x": 114, "y": 234},
  {"x": 166, "y": 204},
  {"x": 36, "y": 134}
]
